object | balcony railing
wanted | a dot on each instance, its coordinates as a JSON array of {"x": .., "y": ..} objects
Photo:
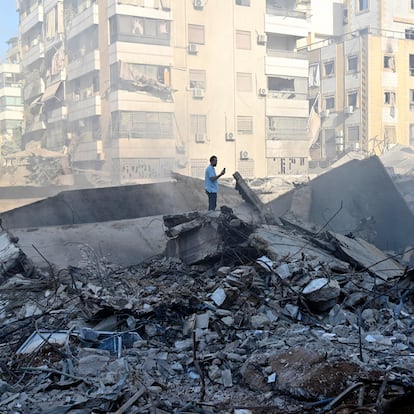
[{"x": 298, "y": 14}]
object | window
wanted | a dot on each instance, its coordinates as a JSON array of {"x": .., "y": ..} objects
[
  {"x": 411, "y": 135},
  {"x": 149, "y": 125},
  {"x": 198, "y": 124},
  {"x": 353, "y": 138},
  {"x": 244, "y": 82},
  {"x": 139, "y": 30},
  {"x": 409, "y": 34},
  {"x": 412, "y": 100},
  {"x": 389, "y": 135},
  {"x": 243, "y": 3},
  {"x": 243, "y": 40},
  {"x": 329, "y": 68},
  {"x": 389, "y": 98},
  {"x": 353, "y": 99},
  {"x": 353, "y": 64},
  {"x": 330, "y": 102},
  {"x": 197, "y": 79},
  {"x": 411, "y": 68},
  {"x": 389, "y": 62},
  {"x": 196, "y": 34},
  {"x": 330, "y": 144},
  {"x": 412, "y": 4},
  {"x": 314, "y": 76},
  {"x": 245, "y": 125},
  {"x": 362, "y": 5}
]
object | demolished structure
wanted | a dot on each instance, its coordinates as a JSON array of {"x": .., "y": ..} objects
[{"x": 300, "y": 305}]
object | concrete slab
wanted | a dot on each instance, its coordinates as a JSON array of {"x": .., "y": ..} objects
[
  {"x": 124, "y": 242},
  {"x": 364, "y": 189}
]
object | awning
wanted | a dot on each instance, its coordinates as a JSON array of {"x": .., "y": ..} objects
[{"x": 50, "y": 92}]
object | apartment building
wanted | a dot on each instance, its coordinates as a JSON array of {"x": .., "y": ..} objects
[
  {"x": 362, "y": 80},
  {"x": 11, "y": 102},
  {"x": 137, "y": 88}
]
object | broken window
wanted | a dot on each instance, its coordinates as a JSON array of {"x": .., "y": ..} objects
[
  {"x": 245, "y": 125},
  {"x": 329, "y": 68},
  {"x": 389, "y": 62},
  {"x": 281, "y": 84},
  {"x": 196, "y": 34},
  {"x": 353, "y": 64},
  {"x": 314, "y": 76},
  {"x": 139, "y": 30},
  {"x": 389, "y": 98},
  {"x": 411, "y": 67},
  {"x": 353, "y": 99},
  {"x": 243, "y": 40},
  {"x": 286, "y": 128}
]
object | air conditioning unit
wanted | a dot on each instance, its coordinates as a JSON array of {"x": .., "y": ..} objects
[
  {"x": 262, "y": 92},
  {"x": 198, "y": 4},
  {"x": 229, "y": 136},
  {"x": 200, "y": 137},
  {"x": 325, "y": 113},
  {"x": 244, "y": 155},
  {"x": 349, "y": 109},
  {"x": 198, "y": 93},
  {"x": 261, "y": 39},
  {"x": 193, "y": 48}
]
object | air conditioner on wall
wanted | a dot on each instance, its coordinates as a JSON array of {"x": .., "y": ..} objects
[
  {"x": 193, "y": 48},
  {"x": 262, "y": 92},
  {"x": 349, "y": 109},
  {"x": 244, "y": 155},
  {"x": 198, "y": 4},
  {"x": 261, "y": 39},
  {"x": 229, "y": 136}
]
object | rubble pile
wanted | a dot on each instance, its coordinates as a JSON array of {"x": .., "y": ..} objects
[{"x": 233, "y": 318}]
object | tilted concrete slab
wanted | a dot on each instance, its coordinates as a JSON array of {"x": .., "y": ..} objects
[{"x": 345, "y": 197}]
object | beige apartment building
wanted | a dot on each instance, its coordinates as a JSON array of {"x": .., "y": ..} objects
[
  {"x": 11, "y": 101},
  {"x": 134, "y": 89},
  {"x": 362, "y": 80}
]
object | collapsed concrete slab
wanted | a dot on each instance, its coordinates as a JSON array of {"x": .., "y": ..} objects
[
  {"x": 96, "y": 205},
  {"x": 358, "y": 197}
]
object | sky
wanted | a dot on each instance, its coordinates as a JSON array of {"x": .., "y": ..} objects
[{"x": 9, "y": 24}]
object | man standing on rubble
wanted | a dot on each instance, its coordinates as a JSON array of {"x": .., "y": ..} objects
[{"x": 211, "y": 183}]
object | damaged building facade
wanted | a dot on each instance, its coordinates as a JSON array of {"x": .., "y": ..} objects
[{"x": 137, "y": 88}]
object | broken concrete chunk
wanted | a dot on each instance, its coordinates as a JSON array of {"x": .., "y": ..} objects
[{"x": 321, "y": 294}]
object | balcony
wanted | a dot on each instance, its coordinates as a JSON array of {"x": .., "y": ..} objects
[
  {"x": 122, "y": 7},
  {"x": 83, "y": 21},
  {"x": 84, "y": 108},
  {"x": 287, "y": 22},
  {"x": 286, "y": 107},
  {"x": 49, "y": 4},
  {"x": 286, "y": 66},
  {"x": 32, "y": 19},
  {"x": 138, "y": 101},
  {"x": 85, "y": 64},
  {"x": 33, "y": 54}
]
